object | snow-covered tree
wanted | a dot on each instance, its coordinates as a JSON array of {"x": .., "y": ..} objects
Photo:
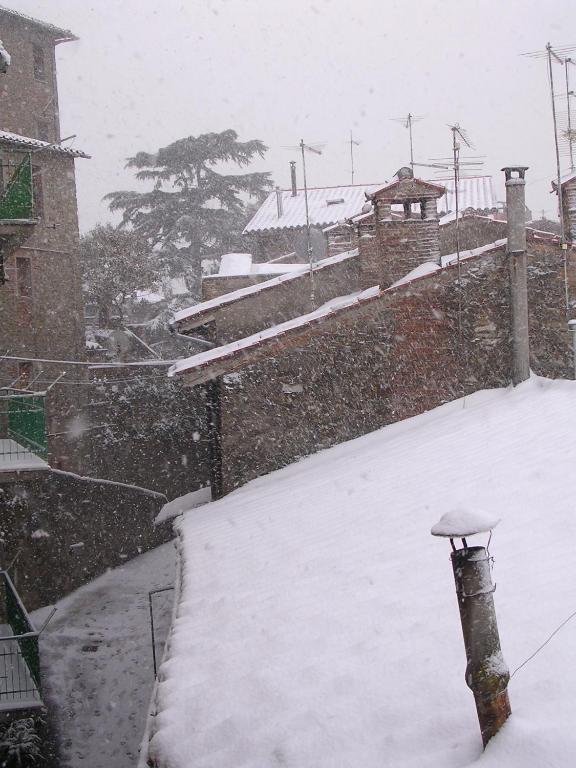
[
  {"x": 115, "y": 264},
  {"x": 193, "y": 212}
]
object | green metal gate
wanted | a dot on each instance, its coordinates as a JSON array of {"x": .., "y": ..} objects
[{"x": 27, "y": 423}]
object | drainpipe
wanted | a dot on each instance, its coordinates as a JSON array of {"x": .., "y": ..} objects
[{"x": 516, "y": 250}]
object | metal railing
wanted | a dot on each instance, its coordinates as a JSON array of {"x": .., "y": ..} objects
[
  {"x": 19, "y": 655},
  {"x": 23, "y": 436}
]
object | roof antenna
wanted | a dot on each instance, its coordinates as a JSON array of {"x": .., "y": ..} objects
[
  {"x": 353, "y": 143},
  {"x": 408, "y": 122}
]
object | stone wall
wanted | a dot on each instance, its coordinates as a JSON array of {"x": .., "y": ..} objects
[
  {"x": 24, "y": 98},
  {"x": 65, "y": 531},
  {"x": 474, "y": 231},
  {"x": 409, "y": 351},
  {"x": 284, "y": 301}
]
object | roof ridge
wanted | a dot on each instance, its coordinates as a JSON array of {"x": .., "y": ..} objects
[{"x": 68, "y": 35}]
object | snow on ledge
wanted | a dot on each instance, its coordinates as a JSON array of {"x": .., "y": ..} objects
[
  {"x": 464, "y": 522},
  {"x": 183, "y": 504},
  {"x": 204, "y": 358},
  {"x": 241, "y": 293}
]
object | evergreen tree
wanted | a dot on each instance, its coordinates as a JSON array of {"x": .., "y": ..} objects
[{"x": 193, "y": 212}]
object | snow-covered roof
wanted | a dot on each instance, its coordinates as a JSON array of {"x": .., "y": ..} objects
[
  {"x": 62, "y": 35},
  {"x": 200, "y": 310},
  {"x": 326, "y": 205},
  {"x": 317, "y": 623},
  {"x": 205, "y": 359},
  {"x": 14, "y": 139},
  {"x": 237, "y": 264},
  {"x": 474, "y": 192}
]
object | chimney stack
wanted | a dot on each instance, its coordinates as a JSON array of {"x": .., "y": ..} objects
[
  {"x": 293, "y": 177},
  {"x": 516, "y": 250},
  {"x": 279, "y": 202}
]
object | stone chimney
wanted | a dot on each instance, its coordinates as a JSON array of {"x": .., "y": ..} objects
[
  {"x": 394, "y": 242},
  {"x": 516, "y": 250}
]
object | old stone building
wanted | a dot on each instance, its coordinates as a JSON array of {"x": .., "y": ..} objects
[
  {"x": 383, "y": 331},
  {"x": 41, "y": 313},
  {"x": 278, "y": 229}
]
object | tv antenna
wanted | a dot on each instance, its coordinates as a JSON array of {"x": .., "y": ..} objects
[
  {"x": 353, "y": 143},
  {"x": 557, "y": 55},
  {"x": 408, "y": 122},
  {"x": 456, "y": 163},
  {"x": 315, "y": 149}
]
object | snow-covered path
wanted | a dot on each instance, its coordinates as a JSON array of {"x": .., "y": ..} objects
[{"x": 97, "y": 660}]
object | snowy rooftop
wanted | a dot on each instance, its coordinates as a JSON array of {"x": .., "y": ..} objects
[
  {"x": 327, "y": 205},
  {"x": 57, "y": 32},
  {"x": 317, "y": 622},
  {"x": 235, "y": 264},
  {"x": 330, "y": 205},
  {"x": 200, "y": 310},
  {"x": 25, "y": 142},
  {"x": 203, "y": 360}
]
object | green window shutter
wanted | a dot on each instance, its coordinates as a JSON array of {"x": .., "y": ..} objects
[{"x": 17, "y": 202}]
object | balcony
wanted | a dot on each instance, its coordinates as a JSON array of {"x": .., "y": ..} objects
[
  {"x": 16, "y": 209},
  {"x": 19, "y": 655},
  {"x": 23, "y": 437}
]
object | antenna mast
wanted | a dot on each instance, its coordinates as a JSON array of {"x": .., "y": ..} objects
[
  {"x": 408, "y": 122},
  {"x": 569, "y": 132},
  {"x": 306, "y": 148},
  {"x": 353, "y": 142}
]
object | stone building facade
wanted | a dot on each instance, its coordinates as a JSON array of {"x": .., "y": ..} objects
[
  {"x": 41, "y": 309},
  {"x": 403, "y": 329}
]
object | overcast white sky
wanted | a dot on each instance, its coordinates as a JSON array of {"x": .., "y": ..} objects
[{"x": 146, "y": 73}]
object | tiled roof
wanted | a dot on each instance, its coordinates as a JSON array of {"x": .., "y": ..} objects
[
  {"x": 58, "y": 32},
  {"x": 35, "y": 144},
  {"x": 326, "y": 205},
  {"x": 475, "y": 192}
]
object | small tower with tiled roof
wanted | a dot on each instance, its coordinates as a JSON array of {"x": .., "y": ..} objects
[{"x": 404, "y": 232}]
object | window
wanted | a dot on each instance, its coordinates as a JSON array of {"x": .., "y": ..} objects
[
  {"x": 43, "y": 129},
  {"x": 39, "y": 63},
  {"x": 24, "y": 277},
  {"x": 38, "y": 192}
]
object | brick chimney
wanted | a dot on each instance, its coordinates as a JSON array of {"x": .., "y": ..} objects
[{"x": 393, "y": 243}]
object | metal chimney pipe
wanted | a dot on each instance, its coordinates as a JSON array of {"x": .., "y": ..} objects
[
  {"x": 516, "y": 250},
  {"x": 487, "y": 675},
  {"x": 279, "y": 202},
  {"x": 293, "y": 177}
]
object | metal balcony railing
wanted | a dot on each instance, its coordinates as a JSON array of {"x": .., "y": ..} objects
[
  {"x": 23, "y": 436},
  {"x": 19, "y": 655}
]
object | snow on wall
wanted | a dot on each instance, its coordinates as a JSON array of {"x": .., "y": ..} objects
[{"x": 318, "y": 624}]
